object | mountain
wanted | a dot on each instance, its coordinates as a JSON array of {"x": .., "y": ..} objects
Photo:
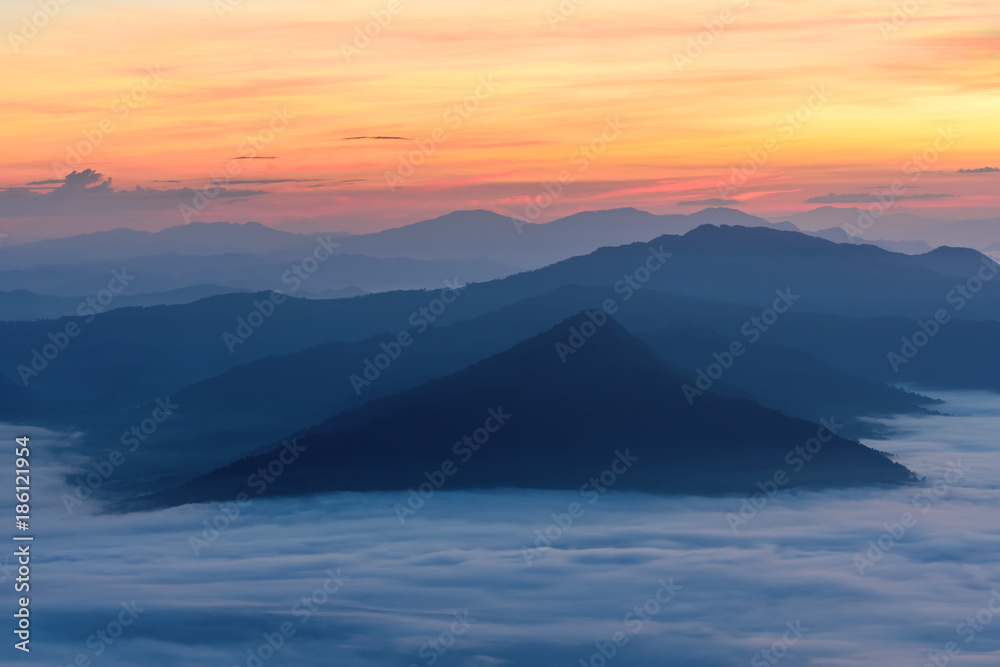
[
  {"x": 536, "y": 417},
  {"x": 514, "y": 242},
  {"x": 245, "y": 408},
  {"x": 26, "y": 305},
  {"x": 902, "y": 226},
  {"x": 792, "y": 380},
  {"x": 871, "y": 290},
  {"x": 286, "y": 270},
  {"x": 196, "y": 238},
  {"x": 838, "y": 235}
]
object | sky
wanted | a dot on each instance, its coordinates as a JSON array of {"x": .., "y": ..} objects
[
  {"x": 451, "y": 587},
  {"x": 769, "y": 106}
]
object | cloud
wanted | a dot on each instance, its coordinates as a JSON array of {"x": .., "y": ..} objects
[
  {"x": 403, "y": 583},
  {"x": 865, "y": 198},
  {"x": 262, "y": 181},
  {"x": 258, "y": 157},
  {"x": 378, "y": 138},
  {"x": 710, "y": 202},
  {"x": 980, "y": 170},
  {"x": 50, "y": 181},
  {"x": 89, "y": 192},
  {"x": 344, "y": 182}
]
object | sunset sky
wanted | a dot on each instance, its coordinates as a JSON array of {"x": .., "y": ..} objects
[{"x": 162, "y": 94}]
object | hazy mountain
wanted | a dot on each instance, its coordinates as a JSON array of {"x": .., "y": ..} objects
[
  {"x": 286, "y": 271},
  {"x": 838, "y": 235},
  {"x": 901, "y": 227},
  {"x": 554, "y": 425},
  {"x": 497, "y": 238},
  {"x": 196, "y": 238},
  {"x": 26, "y": 305}
]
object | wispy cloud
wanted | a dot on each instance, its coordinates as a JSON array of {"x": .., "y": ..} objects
[
  {"x": 377, "y": 138},
  {"x": 709, "y": 202},
  {"x": 865, "y": 198},
  {"x": 980, "y": 170}
]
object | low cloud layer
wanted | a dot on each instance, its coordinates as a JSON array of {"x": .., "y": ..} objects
[{"x": 455, "y": 573}]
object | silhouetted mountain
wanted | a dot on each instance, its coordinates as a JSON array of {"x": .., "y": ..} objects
[
  {"x": 558, "y": 419},
  {"x": 788, "y": 379},
  {"x": 243, "y": 409},
  {"x": 132, "y": 356}
]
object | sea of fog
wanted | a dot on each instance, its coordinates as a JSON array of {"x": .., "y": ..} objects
[{"x": 825, "y": 579}]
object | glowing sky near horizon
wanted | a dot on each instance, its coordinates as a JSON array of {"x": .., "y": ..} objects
[{"x": 690, "y": 114}]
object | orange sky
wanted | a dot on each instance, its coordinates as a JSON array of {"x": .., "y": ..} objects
[{"x": 679, "y": 107}]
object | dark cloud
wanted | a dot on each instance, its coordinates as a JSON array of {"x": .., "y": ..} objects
[
  {"x": 88, "y": 192},
  {"x": 345, "y": 182},
  {"x": 264, "y": 181},
  {"x": 709, "y": 202},
  {"x": 981, "y": 170},
  {"x": 50, "y": 181},
  {"x": 378, "y": 138},
  {"x": 865, "y": 198},
  {"x": 258, "y": 157}
]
